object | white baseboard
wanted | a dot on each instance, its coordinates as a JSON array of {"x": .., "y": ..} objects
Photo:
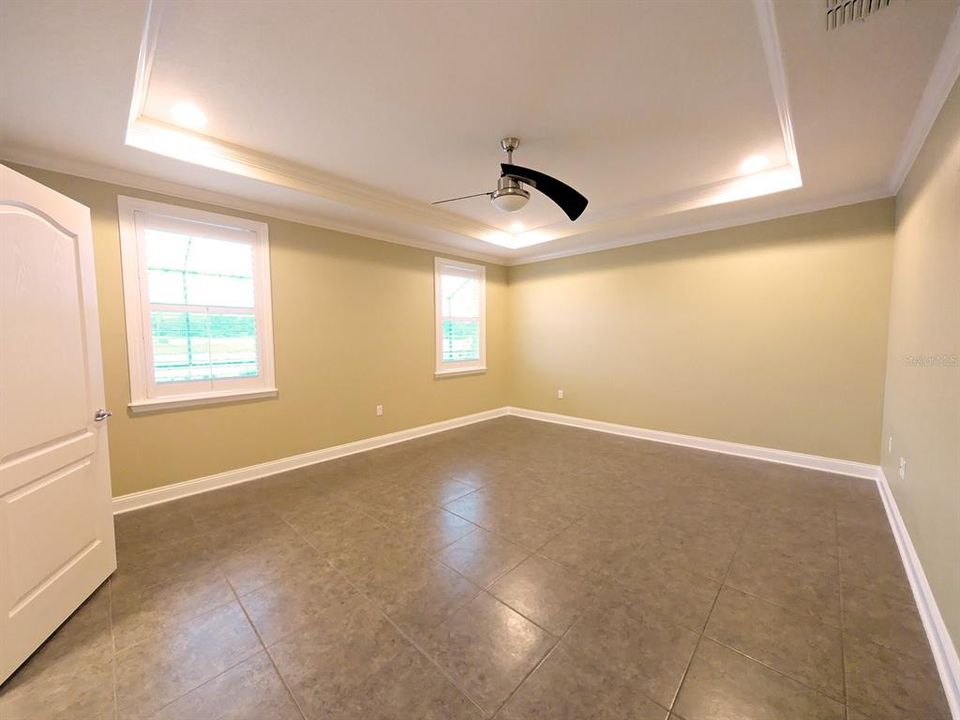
[
  {"x": 784, "y": 457},
  {"x": 166, "y": 493},
  {"x": 944, "y": 652}
]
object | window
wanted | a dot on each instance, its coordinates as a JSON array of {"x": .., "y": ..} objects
[
  {"x": 196, "y": 288},
  {"x": 461, "y": 308}
]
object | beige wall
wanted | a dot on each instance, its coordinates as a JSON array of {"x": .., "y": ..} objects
[
  {"x": 353, "y": 327},
  {"x": 922, "y": 408},
  {"x": 771, "y": 334}
]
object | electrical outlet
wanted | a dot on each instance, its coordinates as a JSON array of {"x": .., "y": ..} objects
[
  {"x": 559, "y": 394},
  {"x": 379, "y": 410},
  {"x": 903, "y": 468},
  {"x": 890, "y": 443}
]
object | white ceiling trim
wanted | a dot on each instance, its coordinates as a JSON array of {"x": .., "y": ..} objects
[
  {"x": 43, "y": 160},
  {"x": 169, "y": 141},
  {"x": 162, "y": 138},
  {"x": 744, "y": 218},
  {"x": 777, "y": 179},
  {"x": 942, "y": 79},
  {"x": 778, "y": 77},
  {"x": 141, "y": 80}
]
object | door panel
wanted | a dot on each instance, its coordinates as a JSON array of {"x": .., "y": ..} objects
[
  {"x": 56, "y": 525},
  {"x": 43, "y": 383},
  {"x": 24, "y": 467},
  {"x": 48, "y": 533}
]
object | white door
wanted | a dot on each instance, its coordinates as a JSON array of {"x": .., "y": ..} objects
[{"x": 56, "y": 526}]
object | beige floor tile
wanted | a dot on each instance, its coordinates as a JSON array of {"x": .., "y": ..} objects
[
  {"x": 803, "y": 583},
  {"x": 148, "y": 566},
  {"x": 722, "y": 683},
  {"x": 268, "y": 562},
  {"x": 409, "y": 686},
  {"x": 299, "y": 598},
  {"x": 590, "y": 548},
  {"x": 157, "y": 671},
  {"x": 328, "y": 661},
  {"x": 698, "y": 551},
  {"x": 251, "y": 690},
  {"x": 876, "y": 567},
  {"x": 80, "y": 691},
  {"x": 422, "y": 594},
  {"x": 668, "y": 590},
  {"x": 83, "y": 640},
  {"x": 433, "y": 529},
  {"x": 648, "y": 652},
  {"x": 886, "y": 685},
  {"x": 793, "y": 644},
  {"x": 488, "y": 649},
  {"x": 140, "y": 613},
  {"x": 153, "y": 527},
  {"x": 565, "y": 687},
  {"x": 482, "y": 556},
  {"x": 885, "y": 620},
  {"x": 550, "y": 594}
]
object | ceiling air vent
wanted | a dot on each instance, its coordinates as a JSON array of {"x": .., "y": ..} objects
[{"x": 841, "y": 12}]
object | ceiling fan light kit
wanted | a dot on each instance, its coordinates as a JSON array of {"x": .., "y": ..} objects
[{"x": 511, "y": 196}]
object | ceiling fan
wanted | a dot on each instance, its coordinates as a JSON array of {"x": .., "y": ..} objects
[{"x": 510, "y": 195}]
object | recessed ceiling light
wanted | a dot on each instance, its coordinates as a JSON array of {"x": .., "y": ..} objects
[
  {"x": 188, "y": 115},
  {"x": 754, "y": 163}
]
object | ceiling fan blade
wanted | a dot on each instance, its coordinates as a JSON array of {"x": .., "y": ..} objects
[
  {"x": 464, "y": 197},
  {"x": 569, "y": 200}
]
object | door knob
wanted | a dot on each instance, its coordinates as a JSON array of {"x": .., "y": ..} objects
[{"x": 101, "y": 415}]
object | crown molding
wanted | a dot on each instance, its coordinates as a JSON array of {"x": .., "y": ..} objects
[
  {"x": 945, "y": 73},
  {"x": 148, "y": 46},
  {"x": 747, "y": 217},
  {"x": 136, "y": 181},
  {"x": 166, "y": 140},
  {"x": 773, "y": 53},
  {"x": 721, "y": 192}
]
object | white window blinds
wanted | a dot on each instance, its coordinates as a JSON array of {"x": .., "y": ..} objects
[
  {"x": 460, "y": 300},
  {"x": 197, "y": 296},
  {"x": 202, "y": 300}
]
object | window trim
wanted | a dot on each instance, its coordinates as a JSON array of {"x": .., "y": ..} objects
[
  {"x": 463, "y": 367},
  {"x": 143, "y": 394}
]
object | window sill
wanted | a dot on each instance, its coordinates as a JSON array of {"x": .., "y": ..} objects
[
  {"x": 460, "y": 371},
  {"x": 184, "y": 401}
]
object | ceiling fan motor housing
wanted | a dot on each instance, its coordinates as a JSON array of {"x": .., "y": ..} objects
[{"x": 509, "y": 195}]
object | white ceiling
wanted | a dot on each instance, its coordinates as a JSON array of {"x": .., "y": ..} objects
[{"x": 356, "y": 115}]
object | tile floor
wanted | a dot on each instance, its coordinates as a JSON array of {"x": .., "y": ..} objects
[{"x": 511, "y": 569}]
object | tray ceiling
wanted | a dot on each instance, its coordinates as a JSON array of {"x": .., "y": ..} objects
[{"x": 358, "y": 115}]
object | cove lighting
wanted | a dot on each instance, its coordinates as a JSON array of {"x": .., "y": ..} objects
[
  {"x": 517, "y": 240},
  {"x": 188, "y": 115},
  {"x": 754, "y": 163}
]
